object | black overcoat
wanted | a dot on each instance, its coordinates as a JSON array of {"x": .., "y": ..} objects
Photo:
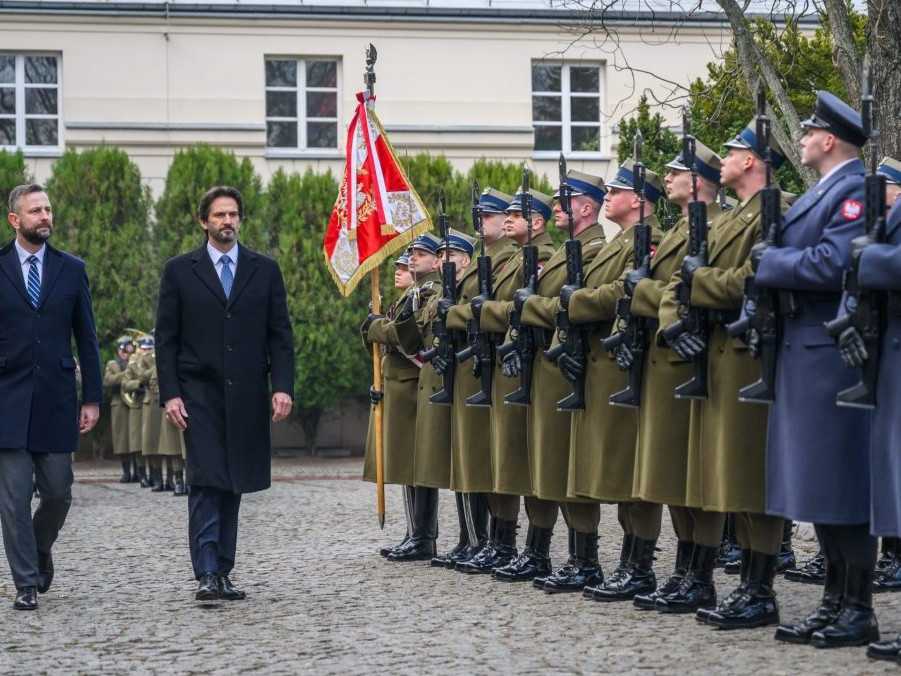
[{"x": 220, "y": 356}]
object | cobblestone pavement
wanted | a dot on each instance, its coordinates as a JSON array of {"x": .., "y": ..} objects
[{"x": 321, "y": 600}]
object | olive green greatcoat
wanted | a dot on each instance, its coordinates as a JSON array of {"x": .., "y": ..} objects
[
  {"x": 663, "y": 421},
  {"x": 131, "y": 383},
  {"x": 432, "y": 451},
  {"x": 509, "y": 445},
  {"x": 603, "y": 437},
  {"x": 112, "y": 381},
  {"x": 152, "y": 416},
  {"x": 400, "y": 375},
  {"x": 548, "y": 428},
  {"x": 172, "y": 439},
  {"x": 470, "y": 445},
  {"x": 725, "y": 470}
]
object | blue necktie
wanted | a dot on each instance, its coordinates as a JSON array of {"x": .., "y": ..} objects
[
  {"x": 227, "y": 276},
  {"x": 34, "y": 282}
]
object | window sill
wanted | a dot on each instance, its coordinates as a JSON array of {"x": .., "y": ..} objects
[
  {"x": 555, "y": 154},
  {"x": 51, "y": 152},
  {"x": 298, "y": 154}
]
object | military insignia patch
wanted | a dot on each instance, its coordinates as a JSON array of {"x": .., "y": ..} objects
[{"x": 851, "y": 210}]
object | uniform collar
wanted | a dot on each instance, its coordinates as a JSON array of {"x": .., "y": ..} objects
[{"x": 835, "y": 170}]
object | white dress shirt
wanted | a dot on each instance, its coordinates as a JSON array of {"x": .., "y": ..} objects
[
  {"x": 26, "y": 266},
  {"x": 835, "y": 169},
  {"x": 216, "y": 256}
]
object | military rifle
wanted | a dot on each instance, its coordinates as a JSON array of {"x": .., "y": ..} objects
[
  {"x": 695, "y": 320},
  {"x": 523, "y": 338},
  {"x": 481, "y": 344},
  {"x": 758, "y": 322},
  {"x": 572, "y": 338},
  {"x": 443, "y": 336},
  {"x": 634, "y": 330},
  {"x": 861, "y": 308}
]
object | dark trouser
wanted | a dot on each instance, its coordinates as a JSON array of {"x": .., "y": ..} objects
[
  {"x": 213, "y": 529},
  {"x": 25, "y": 536},
  {"x": 759, "y": 532},
  {"x": 583, "y": 517},
  {"x": 541, "y": 513},
  {"x": 504, "y": 507},
  {"x": 642, "y": 519},
  {"x": 696, "y": 525},
  {"x": 852, "y": 545}
]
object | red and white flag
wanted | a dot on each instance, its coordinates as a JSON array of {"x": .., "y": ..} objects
[{"x": 377, "y": 211}]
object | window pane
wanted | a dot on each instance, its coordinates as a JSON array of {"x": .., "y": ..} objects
[
  {"x": 7, "y": 69},
  {"x": 322, "y": 134},
  {"x": 281, "y": 104},
  {"x": 281, "y": 134},
  {"x": 40, "y": 101},
  {"x": 584, "y": 79},
  {"x": 322, "y": 104},
  {"x": 546, "y": 108},
  {"x": 584, "y": 109},
  {"x": 7, "y": 132},
  {"x": 41, "y": 133},
  {"x": 587, "y": 139},
  {"x": 548, "y": 138},
  {"x": 545, "y": 78},
  {"x": 322, "y": 74},
  {"x": 7, "y": 101},
  {"x": 40, "y": 70},
  {"x": 281, "y": 73}
]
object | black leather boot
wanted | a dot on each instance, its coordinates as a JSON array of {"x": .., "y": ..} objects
[
  {"x": 729, "y": 551},
  {"x": 888, "y": 568},
  {"x": 622, "y": 570},
  {"x": 885, "y": 650},
  {"x": 812, "y": 571},
  {"x": 787, "y": 559},
  {"x": 408, "y": 494},
  {"x": 856, "y": 624},
  {"x": 756, "y": 605},
  {"x": 126, "y": 471},
  {"x": 828, "y": 610},
  {"x": 145, "y": 476},
  {"x": 697, "y": 589},
  {"x": 425, "y": 528},
  {"x": 535, "y": 560},
  {"x": 180, "y": 486},
  {"x": 887, "y": 552},
  {"x": 458, "y": 553},
  {"x": 500, "y": 552},
  {"x": 683, "y": 559},
  {"x": 581, "y": 571},
  {"x": 539, "y": 580},
  {"x": 478, "y": 508},
  {"x": 638, "y": 577},
  {"x": 156, "y": 480},
  {"x": 735, "y": 595}
]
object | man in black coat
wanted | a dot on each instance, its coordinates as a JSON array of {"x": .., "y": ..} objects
[
  {"x": 44, "y": 302},
  {"x": 222, "y": 334}
]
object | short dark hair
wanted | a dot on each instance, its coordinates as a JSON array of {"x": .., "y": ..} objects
[
  {"x": 17, "y": 193},
  {"x": 215, "y": 192}
]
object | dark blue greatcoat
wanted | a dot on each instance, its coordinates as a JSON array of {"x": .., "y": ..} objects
[
  {"x": 38, "y": 403},
  {"x": 817, "y": 453},
  {"x": 881, "y": 269}
]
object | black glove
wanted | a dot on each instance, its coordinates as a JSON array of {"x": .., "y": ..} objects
[
  {"x": 364, "y": 327},
  {"x": 624, "y": 357},
  {"x": 476, "y": 304},
  {"x": 519, "y": 299},
  {"x": 756, "y": 254},
  {"x": 440, "y": 364},
  {"x": 690, "y": 264},
  {"x": 512, "y": 365},
  {"x": 566, "y": 293},
  {"x": 444, "y": 306},
  {"x": 852, "y": 348},
  {"x": 572, "y": 366},
  {"x": 858, "y": 245},
  {"x": 636, "y": 275},
  {"x": 406, "y": 310},
  {"x": 375, "y": 396},
  {"x": 689, "y": 345}
]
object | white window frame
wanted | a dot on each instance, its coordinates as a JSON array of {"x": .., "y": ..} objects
[
  {"x": 301, "y": 90},
  {"x": 566, "y": 124},
  {"x": 20, "y": 114}
]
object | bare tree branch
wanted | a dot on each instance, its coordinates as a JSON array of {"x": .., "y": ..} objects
[{"x": 844, "y": 51}]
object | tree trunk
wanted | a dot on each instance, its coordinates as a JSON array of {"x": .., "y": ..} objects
[
  {"x": 844, "y": 51},
  {"x": 309, "y": 423},
  {"x": 884, "y": 45}
]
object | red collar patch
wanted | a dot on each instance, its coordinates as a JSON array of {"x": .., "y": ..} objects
[{"x": 851, "y": 210}]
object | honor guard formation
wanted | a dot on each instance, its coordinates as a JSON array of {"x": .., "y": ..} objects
[{"x": 739, "y": 368}]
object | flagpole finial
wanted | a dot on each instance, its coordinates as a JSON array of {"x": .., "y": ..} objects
[{"x": 369, "y": 73}]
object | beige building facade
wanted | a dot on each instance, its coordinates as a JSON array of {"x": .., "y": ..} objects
[{"x": 277, "y": 82}]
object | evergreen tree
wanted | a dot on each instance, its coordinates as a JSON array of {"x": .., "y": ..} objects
[{"x": 12, "y": 173}]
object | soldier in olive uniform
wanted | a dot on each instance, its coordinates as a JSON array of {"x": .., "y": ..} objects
[
  {"x": 509, "y": 444},
  {"x": 131, "y": 385},
  {"x": 152, "y": 416},
  {"x": 172, "y": 446},
  {"x": 471, "y": 459},
  {"x": 399, "y": 379},
  {"x": 112, "y": 381},
  {"x": 548, "y": 428},
  {"x": 603, "y": 437}
]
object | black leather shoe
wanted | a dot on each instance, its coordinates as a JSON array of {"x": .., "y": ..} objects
[
  {"x": 227, "y": 590},
  {"x": 499, "y": 552},
  {"x": 637, "y": 578},
  {"x": 208, "y": 589},
  {"x": 145, "y": 479},
  {"x": 126, "y": 471},
  {"x": 703, "y": 614},
  {"x": 827, "y": 612},
  {"x": 755, "y": 604},
  {"x": 885, "y": 650},
  {"x": 697, "y": 589},
  {"x": 856, "y": 625},
  {"x": 812, "y": 571},
  {"x": 26, "y": 599},
  {"x": 45, "y": 571},
  {"x": 582, "y": 570},
  {"x": 889, "y": 578},
  {"x": 384, "y": 551},
  {"x": 450, "y": 559},
  {"x": 888, "y": 553},
  {"x": 683, "y": 560},
  {"x": 180, "y": 488},
  {"x": 418, "y": 550},
  {"x": 533, "y": 563}
]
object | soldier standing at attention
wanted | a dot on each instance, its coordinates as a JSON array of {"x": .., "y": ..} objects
[
  {"x": 471, "y": 460},
  {"x": 817, "y": 464},
  {"x": 152, "y": 415},
  {"x": 112, "y": 381},
  {"x": 509, "y": 447},
  {"x": 131, "y": 385}
]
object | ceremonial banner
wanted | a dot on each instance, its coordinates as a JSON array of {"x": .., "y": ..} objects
[{"x": 377, "y": 211}]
